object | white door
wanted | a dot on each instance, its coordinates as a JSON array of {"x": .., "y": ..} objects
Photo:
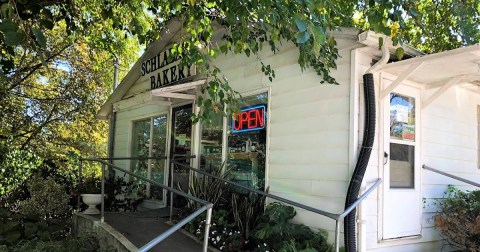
[{"x": 402, "y": 194}]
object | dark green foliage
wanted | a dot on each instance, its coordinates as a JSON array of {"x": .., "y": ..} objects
[
  {"x": 241, "y": 223},
  {"x": 211, "y": 190},
  {"x": 48, "y": 200},
  {"x": 247, "y": 209},
  {"x": 16, "y": 167},
  {"x": 276, "y": 232},
  {"x": 117, "y": 192},
  {"x": 37, "y": 208},
  {"x": 223, "y": 235},
  {"x": 87, "y": 243},
  {"x": 90, "y": 185},
  {"x": 459, "y": 218}
]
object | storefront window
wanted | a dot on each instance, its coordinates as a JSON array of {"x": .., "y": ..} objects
[
  {"x": 211, "y": 145},
  {"x": 246, "y": 149},
  {"x": 149, "y": 140}
]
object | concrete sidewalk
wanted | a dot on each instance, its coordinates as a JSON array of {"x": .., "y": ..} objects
[{"x": 141, "y": 227}]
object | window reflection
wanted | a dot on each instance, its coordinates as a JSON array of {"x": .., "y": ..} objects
[
  {"x": 402, "y": 162},
  {"x": 211, "y": 144},
  {"x": 149, "y": 140},
  {"x": 246, "y": 151},
  {"x": 402, "y": 117}
]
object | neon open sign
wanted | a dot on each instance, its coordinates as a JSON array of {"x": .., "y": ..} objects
[{"x": 249, "y": 119}]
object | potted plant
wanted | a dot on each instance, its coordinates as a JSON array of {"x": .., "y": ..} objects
[{"x": 90, "y": 191}]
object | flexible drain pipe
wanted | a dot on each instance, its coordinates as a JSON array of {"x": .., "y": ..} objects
[{"x": 365, "y": 151}]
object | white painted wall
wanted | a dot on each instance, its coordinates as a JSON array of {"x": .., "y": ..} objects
[
  {"x": 308, "y": 152},
  {"x": 449, "y": 142},
  {"x": 123, "y": 129},
  {"x": 309, "y": 146},
  {"x": 308, "y": 132}
]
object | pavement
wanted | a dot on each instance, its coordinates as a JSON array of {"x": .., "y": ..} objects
[{"x": 142, "y": 226}]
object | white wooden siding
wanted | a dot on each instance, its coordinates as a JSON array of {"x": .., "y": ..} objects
[
  {"x": 449, "y": 142},
  {"x": 123, "y": 129},
  {"x": 308, "y": 134},
  {"x": 309, "y": 130}
]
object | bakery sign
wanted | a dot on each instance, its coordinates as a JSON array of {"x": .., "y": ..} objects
[{"x": 164, "y": 69}]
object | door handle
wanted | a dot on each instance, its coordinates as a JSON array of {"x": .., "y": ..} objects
[{"x": 385, "y": 158}]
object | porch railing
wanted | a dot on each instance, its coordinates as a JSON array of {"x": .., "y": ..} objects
[
  {"x": 206, "y": 206},
  {"x": 451, "y": 176},
  {"x": 337, "y": 217}
]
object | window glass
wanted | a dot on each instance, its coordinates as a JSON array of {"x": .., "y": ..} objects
[
  {"x": 211, "y": 144},
  {"x": 159, "y": 145},
  {"x": 246, "y": 149},
  {"x": 402, "y": 117},
  {"x": 141, "y": 146},
  {"x": 149, "y": 139},
  {"x": 402, "y": 160}
]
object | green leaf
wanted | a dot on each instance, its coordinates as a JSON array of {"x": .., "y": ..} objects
[
  {"x": 43, "y": 235},
  {"x": 380, "y": 43},
  {"x": 413, "y": 12},
  {"x": 247, "y": 52},
  {"x": 30, "y": 229},
  {"x": 5, "y": 10},
  {"x": 302, "y": 37},
  {"x": 399, "y": 53},
  {"x": 47, "y": 24},
  {"x": 14, "y": 38},
  {"x": 8, "y": 26},
  {"x": 40, "y": 38},
  {"x": 13, "y": 236},
  {"x": 301, "y": 24}
]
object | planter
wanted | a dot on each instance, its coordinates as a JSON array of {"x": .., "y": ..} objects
[{"x": 92, "y": 200}]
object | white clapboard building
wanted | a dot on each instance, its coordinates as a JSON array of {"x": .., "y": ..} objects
[{"x": 302, "y": 139}]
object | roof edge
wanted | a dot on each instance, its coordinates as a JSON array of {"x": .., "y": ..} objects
[
  {"x": 166, "y": 36},
  {"x": 370, "y": 38}
]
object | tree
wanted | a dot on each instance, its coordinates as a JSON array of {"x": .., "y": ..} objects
[
  {"x": 50, "y": 97},
  {"x": 35, "y": 34}
]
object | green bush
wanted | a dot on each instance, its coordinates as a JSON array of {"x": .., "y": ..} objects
[
  {"x": 47, "y": 201},
  {"x": 458, "y": 219},
  {"x": 86, "y": 243},
  {"x": 16, "y": 167},
  {"x": 276, "y": 232},
  {"x": 45, "y": 215}
]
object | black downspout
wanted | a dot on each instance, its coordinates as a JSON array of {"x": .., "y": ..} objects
[{"x": 362, "y": 162}]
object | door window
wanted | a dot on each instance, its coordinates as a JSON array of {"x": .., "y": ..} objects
[
  {"x": 402, "y": 117},
  {"x": 181, "y": 150},
  {"x": 402, "y": 135}
]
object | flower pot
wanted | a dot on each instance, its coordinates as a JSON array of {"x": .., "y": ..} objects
[{"x": 92, "y": 200}]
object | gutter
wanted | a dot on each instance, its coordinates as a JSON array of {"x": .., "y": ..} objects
[{"x": 370, "y": 39}]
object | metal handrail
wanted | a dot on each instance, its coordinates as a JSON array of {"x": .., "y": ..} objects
[
  {"x": 336, "y": 217},
  {"x": 171, "y": 180},
  {"x": 110, "y": 159},
  {"x": 207, "y": 206},
  {"x": 451, "y": 176},
  {"x": 133, "y": 158}
]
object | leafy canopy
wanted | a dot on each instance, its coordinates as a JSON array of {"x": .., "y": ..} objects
[{"x": 248, "y": 27}]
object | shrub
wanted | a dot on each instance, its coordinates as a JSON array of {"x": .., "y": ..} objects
[
  {"x": 459, "y": 218},
  {"x": 276, "y": 232},
  {"x": 16, "y": 167},
  {"x": 48, "y": 200},
  {"x": 86, "y": 243}
]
